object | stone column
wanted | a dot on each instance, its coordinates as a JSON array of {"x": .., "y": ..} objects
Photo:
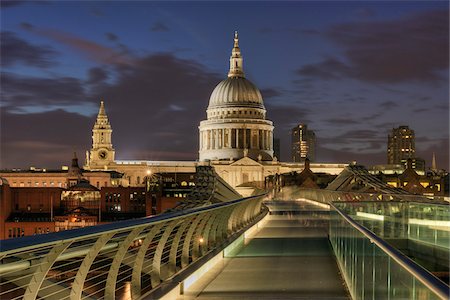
[
  {"x": 270, "y": 140},
  {"x": 245, "y": 138},
  {"x": 210, "y": 139}
]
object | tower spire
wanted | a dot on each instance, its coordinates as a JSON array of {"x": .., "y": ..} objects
[
  {"x": 236, "y": 63},
  {"x": 433, "y": 163},
  {"x": 101, "y": 111}
]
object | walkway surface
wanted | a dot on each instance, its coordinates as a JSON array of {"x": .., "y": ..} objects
[{"x": 290, "y": 258}]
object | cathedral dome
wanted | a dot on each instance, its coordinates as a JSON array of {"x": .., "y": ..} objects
[
  {"x": 236, "y": 124},
  {"x": 236, "y": 91}
]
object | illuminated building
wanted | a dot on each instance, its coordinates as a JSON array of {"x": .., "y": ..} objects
[
  {"x": 236, "y": 139},
  {"x": 236, "y": 124},
  {"x": 401, "y": 145},
  {"x": 303, "y": 143}
]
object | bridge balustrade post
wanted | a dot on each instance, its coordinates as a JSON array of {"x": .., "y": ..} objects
[
  {"x": 222, "y": 227},
  {"x": 110, "y": 286},
  {"x": 198, "y": 234},
  {"x": 250, "y": 210},
  {"x": 205, "y": 235},
  {"x": 245, "y": 218},
  {"x": 240, "y": 216},
  {"x": 187, "y": 241},
  {"x": 156, "y": 265},
  {"x": 44, "y": 265},
  {"x": 257, "y": 207},
  {"x": 175, "y": 244},
  {"x": 139, "y": 261},
  {"x": 235, "y": 217},
  {"x": 78, "y": 284}
]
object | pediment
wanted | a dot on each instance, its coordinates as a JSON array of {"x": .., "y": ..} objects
[{"x": 246, "y": 161}]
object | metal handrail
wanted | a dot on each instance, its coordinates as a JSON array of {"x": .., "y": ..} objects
[
  {"x": 9, "y": 245},
  {"x": 144, "y": 252},
  {"x": 370, "y": 196},
  {"x": 433, "y": 283}
]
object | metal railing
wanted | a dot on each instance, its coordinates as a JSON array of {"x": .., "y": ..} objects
[
  {"x": 325, "y": 196},
  {"x": 371, "y": 267},
  {"x": 123, "y": 259}
]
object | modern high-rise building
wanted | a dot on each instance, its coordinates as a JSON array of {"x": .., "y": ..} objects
[
  {"x": 303, "y": 143},
  {"x": 276, "y": 148},
  {"x": 401, "y": 145}
]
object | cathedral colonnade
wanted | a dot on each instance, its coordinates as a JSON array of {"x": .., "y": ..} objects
[{"x": 241, "y": 137}]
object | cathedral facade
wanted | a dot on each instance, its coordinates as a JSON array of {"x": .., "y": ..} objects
[
  {"x": 236, "y": 139},
  {"x": 236, "y": 124}
]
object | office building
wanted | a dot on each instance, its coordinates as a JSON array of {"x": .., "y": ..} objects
[
  {"x": 303, "y": 143},
  {"x": 401, "y": 145}
]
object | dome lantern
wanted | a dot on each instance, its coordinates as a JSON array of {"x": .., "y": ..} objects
[{"x": 236, "y": 63}]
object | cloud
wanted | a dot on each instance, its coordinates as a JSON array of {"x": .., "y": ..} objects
[
  {"x": 270, "y": 93},
  {"x": 97, "y": 75},
  {"x": 365, "y": 12},
  {"x": 11, "y": 3},
  {"x": 388, "y": 104},
  {"x": 303, "y": 31},
  {"x": 411, "y": 48},
  {"x": 342, "y": 121},
  {"x": 19, "y": 91},
  {"x": 111, "y": 37},
  {"x": 43, "y": 139},
  {"x": 159, "y": 27},
  {"x": 15, "y": 50},
  {"x": 26, "y": 26},
  {"x": 90, "y": 49},
  {"x": 330, "y": 68},
  {"x": 159, "y": 89}
]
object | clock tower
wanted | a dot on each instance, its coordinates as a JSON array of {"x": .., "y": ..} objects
[{"x": 102, "y": 152}]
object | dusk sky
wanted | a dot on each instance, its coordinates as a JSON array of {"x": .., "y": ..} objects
[{"x": 350, "y": 70}]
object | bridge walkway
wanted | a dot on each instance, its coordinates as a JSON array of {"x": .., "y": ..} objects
[{"x": 290, "y": 258}]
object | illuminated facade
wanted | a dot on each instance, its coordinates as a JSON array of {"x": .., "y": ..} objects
[
  {"x": 236, "y": 139},
  {"x": 401, "y": 145},
  {"x": 303, "y": 143},
  {"x": 102, "y": 151},
  {"x": 236, "y": 124}
]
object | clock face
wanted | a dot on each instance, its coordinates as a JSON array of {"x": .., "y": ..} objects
[{"x": 103, "y": 154}]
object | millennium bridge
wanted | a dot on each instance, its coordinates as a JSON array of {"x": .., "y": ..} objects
[{"x": 290, "y": 243}]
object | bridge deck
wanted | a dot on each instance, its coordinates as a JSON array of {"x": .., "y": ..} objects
[{"x": 290, "y": 258}]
